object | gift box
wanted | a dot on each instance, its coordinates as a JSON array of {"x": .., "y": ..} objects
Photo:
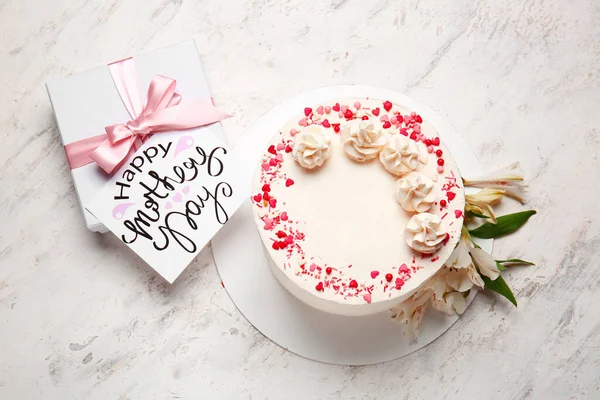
[{"x": 86, "y": 103}]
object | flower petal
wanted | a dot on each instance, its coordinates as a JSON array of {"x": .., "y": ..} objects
[{"x": 485, "y": 262}]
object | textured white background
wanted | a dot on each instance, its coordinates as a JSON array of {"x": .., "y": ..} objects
[{"x": 82, "y": 317}]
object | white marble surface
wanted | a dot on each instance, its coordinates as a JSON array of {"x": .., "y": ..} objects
[{"x": 81, "y": 317}]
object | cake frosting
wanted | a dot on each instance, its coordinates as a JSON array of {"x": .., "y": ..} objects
[
  {"x": 358, "y": 203},
  {"x": 413, "y": 192}
]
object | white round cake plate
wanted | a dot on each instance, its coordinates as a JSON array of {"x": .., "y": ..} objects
[{"x": 244, "y": 267}]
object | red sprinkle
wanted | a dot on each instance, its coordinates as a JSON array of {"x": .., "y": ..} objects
[
  {"x": 273, "y": 203},
  {"x": 288, "y": 149},
  {"x": 326, "y": 124},
  {"x": 336, "y": 107},
  {"x": 307, "y": 111},
  {"x": 458, "y": 213},
  {"x": 336, "y": 128},
  {"x": 266, "y": 196},
  {"x": 440, "y": 161},
  {"x": 376, "y": 111},
  {"x": 328, "y": 270},
  {"x": 387, "y": 124},
  {"x": 364, "y": 118},
  {"x": 439, "y": 152},
  {"x": 284, "y": 216},
  {"x": 257, "y": 198},
  {"x": 387, "y": 105},
  {"x": 374, "y": 274},
  {"x": 348, "y": 114},
  {"x": 389, "y": 277},
  {"x": 272, "y": 149},
  {"x": 418, "y": 118},
  {"x": 289, "y": 182},
  {"x": 413, "y": 136},
  {"x": 319, "y": 287},
  {"x": 266, "y": 188},
  {"x": 273, "y": 162},
  {"x": 443, "y": 203},
  {"x": 446, "y": 238},
  {"x": 399, "y": 283},
  {"x": 450, "y": 195},
  {"x": 275, "y": 246},
  {"x": 435, "y": 141},
  {"x": 353, "y": 284},
  {"x": 281, "y": 234},
  {"x": 404, "y": 131},
  {"x": 428, "y": 142}
]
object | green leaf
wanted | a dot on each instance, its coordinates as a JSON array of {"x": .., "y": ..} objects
[
  {"x": 500, "y": 266},
  {"x": 504, "y": 225},
  {"x": 474, "y": 214},
  {"x": 515, "y": 261},
  {"x": 499, "y": 286}
]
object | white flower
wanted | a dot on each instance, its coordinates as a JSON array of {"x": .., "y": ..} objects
[
  {"x": 461, "y": 274},
  {"x": 482, "y": 202},
  {"x": 450, "y": 303},
  {"x": 411, "y": 311},
  {"x": 485, "y": 262},
  {"x": 462, "y": 266},
  {"x": 509, "y": 179}
]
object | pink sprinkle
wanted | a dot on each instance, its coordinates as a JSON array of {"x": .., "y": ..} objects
[
  {"x": 413, "y": 114},
  {"x": 384, "y": 118},
  {"x": 280, "y": 146},
  {"x": 430, "y": 149},
  {"x": 293, "y": 132},
  {"x": 399, "y": 283},
  {"x": 320, "y": 110},
  {"x": 284, "y": 216},
  {"x": 393, "y": 120},
  {"x": 404, "y": 268},
  {"x": 440, "y": 169},
  {"x": 344, "y": 109},
  {"x": 327, "y": 109},
  {"x": 269, "y": 225},
  {"x": 303, "y": 122},
  {"x": 341, "y": 114},
  {"x": 404, "y": 132},
  {"x": 289, "y": 239},
  {"x": 312, "y": 267},
  {"x": 367, "y": 297},
  {"x": 266, "y": 166},
  {"x": 458, "y": 213},
  {"x": 273, "y": 162},
  {"x": 374, "y": 274},
  {"x": 279, "y": 156},
  {"x": 417, "y": 128},
  {"x": 357, "y": 105}
]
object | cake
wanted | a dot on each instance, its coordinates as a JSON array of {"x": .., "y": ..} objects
[{"x": 358, "y": 203}]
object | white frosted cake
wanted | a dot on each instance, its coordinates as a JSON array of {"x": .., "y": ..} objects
[{"x": 358, "y": 203}]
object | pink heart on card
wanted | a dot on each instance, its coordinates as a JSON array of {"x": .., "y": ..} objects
[
  {"x": 184, "y": 143},
  {"x": 168, "y": 205},
  {"x": 186, "y": 190},
  {"x": 119, "y": 210},
  {"x": 178, "y": 197}
]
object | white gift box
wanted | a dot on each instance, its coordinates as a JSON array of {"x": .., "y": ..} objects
[{"x": 84, "y": 104}]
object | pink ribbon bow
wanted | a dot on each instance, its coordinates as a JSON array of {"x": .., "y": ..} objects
[{"x": 162, "y": 112}]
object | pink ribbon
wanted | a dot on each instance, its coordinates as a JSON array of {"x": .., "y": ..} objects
[{"x": 163, "y": 111}]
